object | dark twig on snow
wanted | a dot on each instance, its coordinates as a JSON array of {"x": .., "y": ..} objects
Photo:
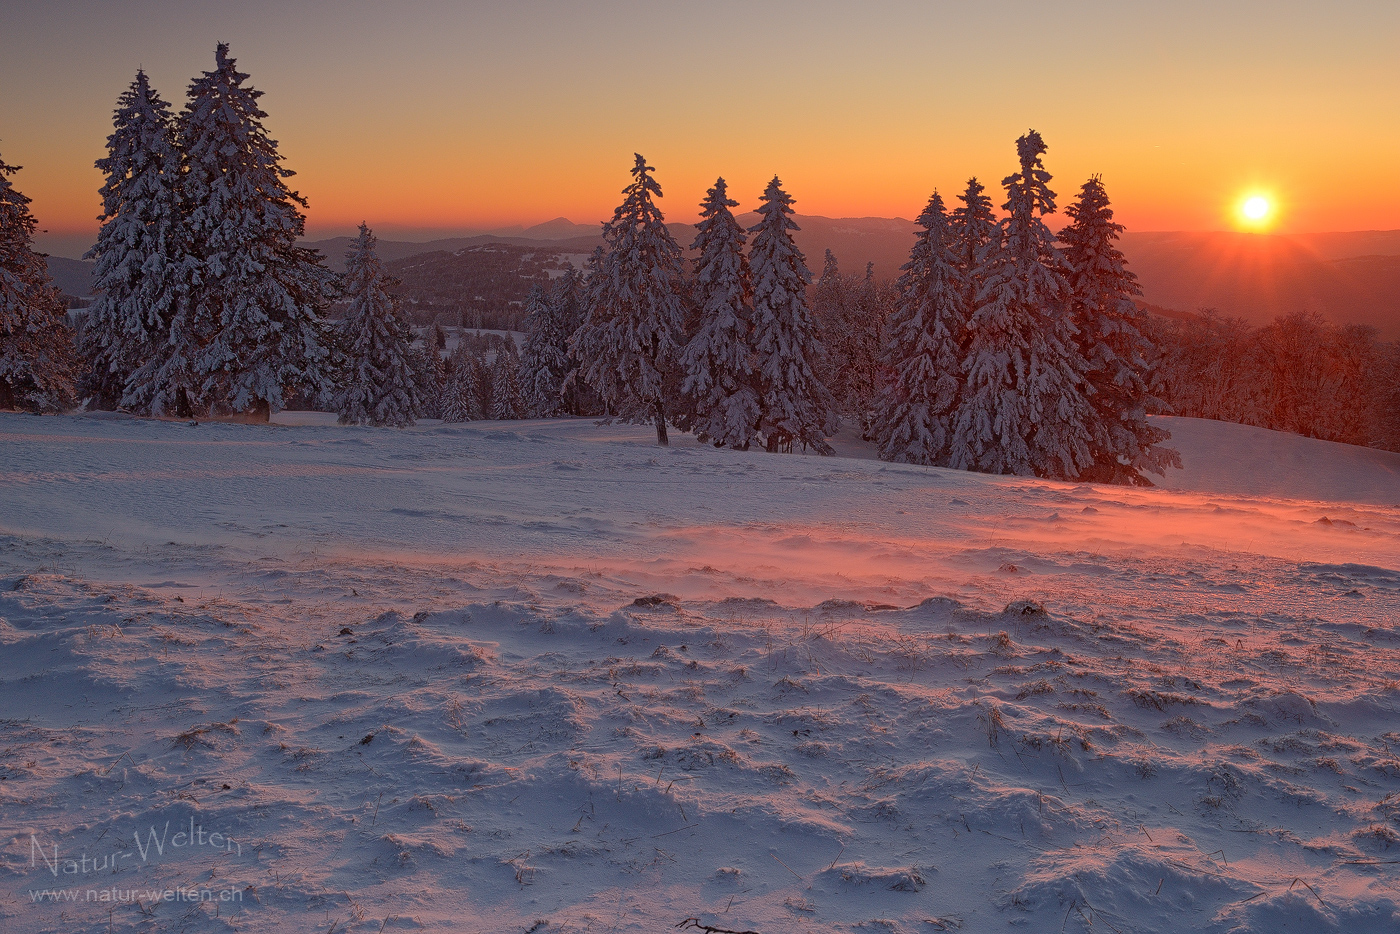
[
  {"x": 708, "y": 929},
  {"x": 1310, "y": 889}
]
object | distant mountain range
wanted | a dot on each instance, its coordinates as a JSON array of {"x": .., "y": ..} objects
[
  {"x": 1350, "y": 278},
  {"x": 390, "y": 251},
  {"x": 72, "y": 276}
]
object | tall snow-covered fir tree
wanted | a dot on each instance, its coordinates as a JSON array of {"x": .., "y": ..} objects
[
  {"x": 634, "y": 323},
  {"x": 461, "y": 400},
  {"x": 507, "y": 401},
  {"x": 378, "y": 385},
  {"x": 923, "y": 355},
  {"x": 1024, "y": 407},
  {"x": 261, "y": 296},
  {"x": 37, "y": 365},
  {"x": 794, "y": 407},
  {"x": 545, "y": 361},
  {"x": 138, "y": 336},
  {"x": 718, "y": 361},
  {"x": 1111, "y": 340},
  {"x": 976, "y": 242}
]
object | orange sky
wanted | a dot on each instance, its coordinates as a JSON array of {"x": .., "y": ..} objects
[{"x": 428, "y": 117}]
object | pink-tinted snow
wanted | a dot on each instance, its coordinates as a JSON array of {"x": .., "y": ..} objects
[{"x": 590, "y": 684}]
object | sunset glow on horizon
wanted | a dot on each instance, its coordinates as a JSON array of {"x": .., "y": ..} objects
[{"x": 436, "y": 117}]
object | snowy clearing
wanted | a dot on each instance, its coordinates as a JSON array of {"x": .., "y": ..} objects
[{"x": 545, "y": 676}]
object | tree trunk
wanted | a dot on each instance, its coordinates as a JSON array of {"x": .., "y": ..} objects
[
  {"x": 7, "y": 395},
  {"x": 661, "y": 438},
  {"x": 260, "y": 411},
  {"x": 183, "y": 409}
]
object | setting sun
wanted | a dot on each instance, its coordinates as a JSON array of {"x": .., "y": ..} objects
[{"x": 1256, "y": 208}]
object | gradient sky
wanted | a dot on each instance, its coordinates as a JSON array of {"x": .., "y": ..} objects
[{"x": 431, "y": 117}]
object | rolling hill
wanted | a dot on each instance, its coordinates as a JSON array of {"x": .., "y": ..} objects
[
  {"x": 72, "y": 276},
  {"x": 1349, "y": 277}
]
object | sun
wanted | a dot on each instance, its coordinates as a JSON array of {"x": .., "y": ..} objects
[{"x": 1256, "y": 210}]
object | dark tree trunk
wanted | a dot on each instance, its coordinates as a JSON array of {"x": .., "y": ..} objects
[
  {"x": 260, "y": 411},
  {"x": 183, "y": 409},
  {"x": 661, "y": 437}
]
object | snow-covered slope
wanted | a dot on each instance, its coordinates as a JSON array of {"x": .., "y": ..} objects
[
  {"x": 1219, "y": 457},
  {"x": 546, "y": 676}
]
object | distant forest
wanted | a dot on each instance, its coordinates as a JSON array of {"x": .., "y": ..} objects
[{"x": 476, "y": 287}]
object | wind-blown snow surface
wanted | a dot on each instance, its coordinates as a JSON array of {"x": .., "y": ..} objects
[{"x": 547, "y": 676}]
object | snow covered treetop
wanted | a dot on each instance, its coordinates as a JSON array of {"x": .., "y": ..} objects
[
  {"x": 775, "y": 207},
  {"x": 1030, "y": 148},
  {"x": 1033, "y": 180}
]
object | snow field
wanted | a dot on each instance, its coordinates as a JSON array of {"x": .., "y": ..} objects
[{"x": 545, "y": 676}]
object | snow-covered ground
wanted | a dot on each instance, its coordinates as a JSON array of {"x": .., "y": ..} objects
[{"x": 545, "y": 676}]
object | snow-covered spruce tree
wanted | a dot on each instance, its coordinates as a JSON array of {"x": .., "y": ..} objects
[
  {"x": 378, "y": 386},
  {"x": 831, "y": 270},
  {"x": 138, "y": 337},
  {"x": 1024, "y": 408},
  {"x": 976, "y": 242},
  {"x": 37, "y": 364},
  {"x": 634, "y": 321},
  {"x": 461, "y": 399},
  {"x": 507, "y": 401},
  {"x": 833, "y": 312},
  {"x": 545, "y": 362},
  {"x": 429, "y": 376},
  {"x": 829, "y": 300},
  {"x": 874, "y": 302},
  {"x": 1124, "y": 444},
  {"x": 261, "y": 297},
  {"x": 794, "y": 407},
  {"x": 718, "y": 361},
  {"x": 588, "y": 294},
  {"x": 566, "y": 299},
  {"x": 923, "y": 355}
]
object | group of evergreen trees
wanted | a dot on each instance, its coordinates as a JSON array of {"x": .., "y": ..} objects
[
  {"x": 1002, "y": 347},
  {"x": 729, "y": 352},
  {"x": 1004, "y": 351},
  {"x": 206, "y": 302},
  {"x": 1010, "y": 353},
  {"x": 1001, "y": 351},
  {"x": 852, "y": 315},
  {"x": 479, "y": 379},
  {"x": 37, "y": 368}
]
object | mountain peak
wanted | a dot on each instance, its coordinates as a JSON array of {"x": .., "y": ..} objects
[{"x": 560, "y": 228}]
